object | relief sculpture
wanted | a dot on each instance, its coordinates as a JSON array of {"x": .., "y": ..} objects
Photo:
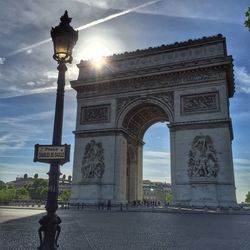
[
  {"x": 92, "y": 114},
  {"x": 206, "y": 102},
  {"x": 202, "y": 158},
  {"x": 93, "y": 161}
]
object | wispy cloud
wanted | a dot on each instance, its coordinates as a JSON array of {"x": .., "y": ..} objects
[
  {"x": 2, "y": 60},
  {"x": 156, "y": 165},
  {"x": 179, "y": 8},
  {"x": 91, "y": 24},
  {"x": 156, "y": 154},
  {"x": 239, "y": 161},
  {"x": 242, "y": 77},
  {"x": 16, "y": 131}
]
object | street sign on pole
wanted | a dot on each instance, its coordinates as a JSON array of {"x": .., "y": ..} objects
[{"x": 52, "y": 154}]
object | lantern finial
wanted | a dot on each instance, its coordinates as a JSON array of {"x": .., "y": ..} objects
[{"x": 65, "y": 19}]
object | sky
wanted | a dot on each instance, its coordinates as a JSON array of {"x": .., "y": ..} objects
[{"x": 28, "y": 73}]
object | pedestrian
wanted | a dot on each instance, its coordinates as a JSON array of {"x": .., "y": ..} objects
[{"x": 109, "y": 205}]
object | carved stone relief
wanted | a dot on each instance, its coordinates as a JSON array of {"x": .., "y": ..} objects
[
  {"x": 202, "y": 158},
  {"x": 92, "y": 114},
  {"x": 147, "y": 61},
  {"x": 123, "y": 101},
  {"x": 93, "y": 161},
  {"x": 153, "y": 81},
  {"x": 167, "y": 98},
  {"x": 199, "y": 103}
]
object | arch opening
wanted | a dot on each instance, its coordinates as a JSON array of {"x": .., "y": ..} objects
[
  {"x": 156, "y": 165},
  {"x": 140, "y": 119}
]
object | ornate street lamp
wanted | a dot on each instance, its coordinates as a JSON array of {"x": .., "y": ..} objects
[{"x": 64, "y": 38}]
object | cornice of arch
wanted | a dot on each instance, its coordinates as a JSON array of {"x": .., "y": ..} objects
[{"x": 156, "y": 80}]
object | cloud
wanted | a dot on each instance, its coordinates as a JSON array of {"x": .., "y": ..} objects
[
  {"x": 2, "y": 60},
  {"x": 156, "y": 154},
  {"x": 29, "y": 48},
  {"x": 11, "y": 171},
  {"x": 243, "y": 162},
  {"x": 16, "y": 131},
  {"x": 242, "y": 77},
  {"x": 185, "y": 9},
  {"x": 156, "y": 165}
]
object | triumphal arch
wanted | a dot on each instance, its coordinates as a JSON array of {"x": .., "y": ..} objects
[{"x": 187, "y": 84}]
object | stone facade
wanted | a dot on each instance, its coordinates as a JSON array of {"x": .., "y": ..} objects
[{"x": 187, "y": 84}]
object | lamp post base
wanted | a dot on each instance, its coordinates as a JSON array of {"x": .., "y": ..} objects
[{"x": 49, "y": 232}]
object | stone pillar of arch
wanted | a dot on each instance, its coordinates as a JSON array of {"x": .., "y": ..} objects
[{"x": 188, "y": 85}]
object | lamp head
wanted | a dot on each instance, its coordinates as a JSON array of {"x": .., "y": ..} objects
[{"x": 64, "y": 38}]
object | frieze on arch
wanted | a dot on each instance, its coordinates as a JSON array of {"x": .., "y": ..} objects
[
  {"x": 152, "y": 57},
  {"x": 200, "y": 103},
  {"x": 152, "y": 81},
  {"x": 95, "y": 114}
]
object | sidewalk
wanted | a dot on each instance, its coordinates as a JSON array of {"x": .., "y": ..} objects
[{"x": 92, "y": 229}]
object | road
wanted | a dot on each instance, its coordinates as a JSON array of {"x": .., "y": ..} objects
[{"x": 128, "y": 230}]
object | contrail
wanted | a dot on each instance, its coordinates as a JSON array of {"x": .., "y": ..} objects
[{"x": 102, "y": 20}]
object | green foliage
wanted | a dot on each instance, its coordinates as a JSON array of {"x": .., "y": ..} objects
[
  {"x": 64, "y": 195},
  {"x": 2, "y": 185},
  {"x": 38, "y": 189},
  {"x": 43, "y": 193},
  {"x": 169, "y": 197},
  {"x": 247, "y": 197},
  {"x": 7, "y": 194},
  {"x": 22, "y": 194},
  {"x": 247, "y": 22}
]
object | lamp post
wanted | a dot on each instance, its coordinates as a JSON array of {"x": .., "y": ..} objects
[{"x": 64, "y": 38}]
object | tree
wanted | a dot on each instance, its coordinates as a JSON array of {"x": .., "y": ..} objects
[
  {"x": 7, "y": 194},
  {"x": 43, "y": 194},
  {"x": 247, "y": 197},
  {"x": 169, "y": 197},
  {"x": 2, "y": 185},
  {"x": 247, "y": 22},
  {"x": 22, "y": 194},
  {"x": 37, "y": 189},
  {"x": 63, "y": 178},
  {"x": 36, "y": 176},
  {"x": 64, "y": 195}
]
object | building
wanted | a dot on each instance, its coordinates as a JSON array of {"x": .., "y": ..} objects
[
  {"x": 64, "y": 183},
  {"x": 22, "y": 181},
  {"x": 155, "y": 191}
]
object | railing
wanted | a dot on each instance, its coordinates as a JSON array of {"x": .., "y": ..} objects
[{"x": 144, "y": 207}]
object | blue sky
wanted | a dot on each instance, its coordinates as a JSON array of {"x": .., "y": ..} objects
[{"x": 28, "y": 79}]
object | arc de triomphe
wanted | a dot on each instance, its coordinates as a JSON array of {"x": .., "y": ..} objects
[{"x": 187, "y": 84}]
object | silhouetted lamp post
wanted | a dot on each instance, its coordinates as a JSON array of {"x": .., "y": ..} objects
[{"x": 64, "y": 38}]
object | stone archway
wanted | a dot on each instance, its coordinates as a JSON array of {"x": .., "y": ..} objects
[
  {"x": 135, "y": 118},
  {"x": 188, "y": 84}
]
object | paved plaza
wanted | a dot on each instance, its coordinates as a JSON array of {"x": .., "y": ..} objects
[{"x": 91, "y": 229}]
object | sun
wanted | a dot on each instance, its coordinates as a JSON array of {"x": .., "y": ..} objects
[{"x": 95, "y": 50}]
